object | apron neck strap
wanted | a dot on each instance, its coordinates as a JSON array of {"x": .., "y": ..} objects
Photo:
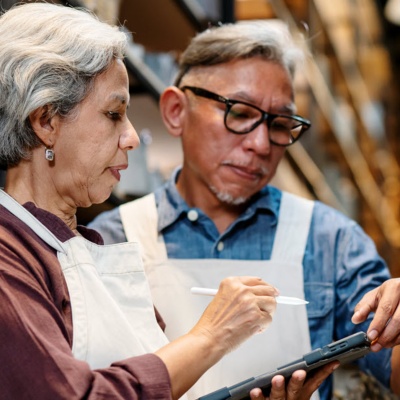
[
  {"x": 25, "y": 216},
  {"x": 294, "y": 221}
]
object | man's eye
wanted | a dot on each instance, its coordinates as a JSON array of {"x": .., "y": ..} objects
[
  {"x": 239, "y": 111},
  {"x": 114, "y": 115}
]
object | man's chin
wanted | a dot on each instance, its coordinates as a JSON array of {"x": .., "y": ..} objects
[{"x": 228, "y": 198}]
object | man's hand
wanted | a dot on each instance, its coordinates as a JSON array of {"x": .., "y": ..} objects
[
  {"x": 384, "y": 330},
  {"x": 298, "y": 387}
]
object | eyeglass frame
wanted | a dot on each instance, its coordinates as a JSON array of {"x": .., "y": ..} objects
[{"x": 265, "y": 116}]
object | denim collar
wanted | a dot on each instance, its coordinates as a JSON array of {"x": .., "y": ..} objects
[{"x": 171, "y": 205}]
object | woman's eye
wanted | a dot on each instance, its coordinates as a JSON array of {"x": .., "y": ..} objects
[{"x": 114, "y": 115}]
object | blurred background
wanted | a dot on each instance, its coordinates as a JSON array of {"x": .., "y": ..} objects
[{"x": 349, "y": 89}]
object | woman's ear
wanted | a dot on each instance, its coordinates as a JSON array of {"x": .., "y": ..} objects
[
  {"x": 172, "y": 108},
  {"x": 43, "y": 125}
]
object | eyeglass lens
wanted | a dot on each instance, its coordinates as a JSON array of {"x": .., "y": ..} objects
[{"x": 242, "y": 118}]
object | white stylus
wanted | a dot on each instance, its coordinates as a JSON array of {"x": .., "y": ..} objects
[{"x": 294, "y": 301}]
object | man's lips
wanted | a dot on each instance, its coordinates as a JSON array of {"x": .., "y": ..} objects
[{"x": 247, "y": 172}]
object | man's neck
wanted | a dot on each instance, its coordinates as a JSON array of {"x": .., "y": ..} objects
[{"x": 221, "y": 213}]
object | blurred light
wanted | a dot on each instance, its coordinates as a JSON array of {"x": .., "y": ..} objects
[{"x": 392, "y": 11}]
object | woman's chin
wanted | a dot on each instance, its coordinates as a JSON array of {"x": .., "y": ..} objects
[{"x": 100, "y": 198}]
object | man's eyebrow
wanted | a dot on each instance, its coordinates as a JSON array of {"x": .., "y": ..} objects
[
  {"x": 290, "y": 108},
  {"x": 244, "y": 96}
]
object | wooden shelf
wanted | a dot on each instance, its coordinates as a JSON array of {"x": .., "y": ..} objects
[{"x": 347, "y": 75}]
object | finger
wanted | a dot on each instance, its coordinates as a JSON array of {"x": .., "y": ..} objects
[
  {"x": 264, "y": 295},
  {"x": 266, "y": 316},
  {"x": 256, "y": 394},
  {"x": 237, "y": 311},
  {"x": 246, "y": 285},
  {"x": 315, "y": 380},
  {"x": 384, "y": 301},
  {"x": 295, "y": 386},
  {"x": 390, "y": 336},
  {"x": 365, "y": 307},
  {"x": 385, "y": 324},
  {"x": 386, "y": 309},
  {"x": 278, "y": 390},
  {"x": 375, "y": 347},
  {"x": 267, "y": 303},
  {"x": 258, "y": 286}
]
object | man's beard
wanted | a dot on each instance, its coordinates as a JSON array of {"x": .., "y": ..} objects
[{"x": 227, "y": 198}]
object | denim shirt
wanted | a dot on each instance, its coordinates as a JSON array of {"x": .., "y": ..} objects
[{"x": 340, "y": 263}]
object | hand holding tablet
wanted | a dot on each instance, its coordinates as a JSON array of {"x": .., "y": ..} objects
[{"x": 344, "y": 350}]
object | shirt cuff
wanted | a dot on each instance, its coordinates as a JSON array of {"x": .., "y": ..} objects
[{"x": 151, "y": 374}]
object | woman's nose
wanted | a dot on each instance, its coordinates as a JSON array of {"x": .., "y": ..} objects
[{"x": 129, "y": 139}]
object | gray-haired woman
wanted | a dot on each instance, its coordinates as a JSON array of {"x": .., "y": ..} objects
[{"x": 76, "y": 318}]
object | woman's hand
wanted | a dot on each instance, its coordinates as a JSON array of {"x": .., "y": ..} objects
[
  {"x": 298, "y": 387},
  {"x": 242, "y": 307}
]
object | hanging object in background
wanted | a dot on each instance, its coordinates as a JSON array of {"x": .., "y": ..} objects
[
  {"x": 106, "y": 10},
  {"x": 392, "y": 11}
]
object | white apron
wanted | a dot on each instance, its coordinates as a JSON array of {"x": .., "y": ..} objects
[
  {"x": 170, "y": 281},
  {"x": 112, "y": 311}
]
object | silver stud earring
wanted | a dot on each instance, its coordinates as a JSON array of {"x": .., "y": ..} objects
[{"x": 49, "y": 154}]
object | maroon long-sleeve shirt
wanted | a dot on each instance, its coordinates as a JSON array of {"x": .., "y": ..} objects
[{"x": 36, "y": 360}]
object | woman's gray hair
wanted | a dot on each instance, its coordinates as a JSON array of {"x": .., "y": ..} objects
[
  {"x": 269, "y": 39},
  {"x": 49, "y": 56}
]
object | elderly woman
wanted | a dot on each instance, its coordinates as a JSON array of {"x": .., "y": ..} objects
[{"x": 76, "y": 317}]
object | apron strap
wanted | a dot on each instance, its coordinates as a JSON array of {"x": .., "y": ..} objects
[
  {"x": 140, "y": 220},
  {"x": 293, "y": 226},
  {"x": 25, "y": 216}
]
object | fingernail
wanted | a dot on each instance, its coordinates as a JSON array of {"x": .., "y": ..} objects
[
  {"x": 303, "y": 377},
  {"x": 279, "y": 382},
  {"x": 372, "y": 335},
  {"x": 355, "y": 316}
]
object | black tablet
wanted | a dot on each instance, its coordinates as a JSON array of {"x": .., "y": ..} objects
[{"x": 344, "y": 350}]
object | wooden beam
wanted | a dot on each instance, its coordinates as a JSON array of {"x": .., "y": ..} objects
[{"x": 253, "y": 9}]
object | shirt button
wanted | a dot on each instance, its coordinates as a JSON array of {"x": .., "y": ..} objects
[
  {"x": 192, "y": 215},
  {"x": 220, "y": 246}
]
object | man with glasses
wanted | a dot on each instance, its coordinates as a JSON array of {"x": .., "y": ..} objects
[
  {"x": 241, "y": 118},
  {"x": 232, "y": 106}
]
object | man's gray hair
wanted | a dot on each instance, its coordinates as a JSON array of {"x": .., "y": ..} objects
[
  {"x": 269, "y": 39},
  {"x": 49, "y": 56}
]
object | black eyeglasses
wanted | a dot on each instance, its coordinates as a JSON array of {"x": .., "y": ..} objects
[{"x": 241, "y": 118}]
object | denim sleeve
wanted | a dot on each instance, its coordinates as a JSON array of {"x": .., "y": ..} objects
[
  {"x": 341, "y": 265},
  {"x": 109, "y": 225},
  {"x": 359, "y": 270}
]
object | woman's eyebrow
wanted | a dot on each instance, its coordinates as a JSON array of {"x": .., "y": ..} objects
[{"x": 119, "y": 97}]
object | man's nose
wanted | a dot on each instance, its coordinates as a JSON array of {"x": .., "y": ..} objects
[{"x": 258, "y": 140}]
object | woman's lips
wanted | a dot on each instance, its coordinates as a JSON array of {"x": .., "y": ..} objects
[
  {"x": 115, "y": 171},
  {"x": 116, "y": 174}
]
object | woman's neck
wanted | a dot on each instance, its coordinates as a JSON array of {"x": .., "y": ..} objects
[{"x": 26, "y": 186}]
